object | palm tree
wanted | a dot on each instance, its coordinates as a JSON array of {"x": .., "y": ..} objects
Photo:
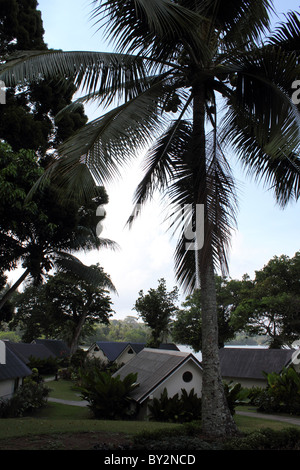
[{"x": 202, "y": 79}]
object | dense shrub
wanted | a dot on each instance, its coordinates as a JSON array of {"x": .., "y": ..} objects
[
  {"x": 266, "y": 439},
  {"x": 190, "y": 438},
  {"x": 177, "y": 409},
  {"x": 108, "y": 397},
  {"x": 45, "y": 366},
  {"x": 282, "y": 393},
  {"x": 29, "y": 397}
]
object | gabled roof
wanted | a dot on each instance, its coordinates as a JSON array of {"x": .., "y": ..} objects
[
  {"x": 153, "y": 366},
  {"x": 25, "y": 351},
  {"x": 57, "y": 347},
  {"x": 13, "y": 367},
  {"x": 252, "y": 362},
  {"x": 113, "y": 349}
]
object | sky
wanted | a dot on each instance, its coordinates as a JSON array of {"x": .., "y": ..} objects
[{"x": 146, "y": 251}]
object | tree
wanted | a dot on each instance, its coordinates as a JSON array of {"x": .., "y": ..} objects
[
  {"x": 45, "y": 230},
  {"x": 187, "y": 328},
  {"x": 271, "y": 306},
  {"x": 27, "y": 121},
  {"x": 63, "y": 306},
  {"x": 156, "y": 309},
  {"x": 175, "y": 62}
]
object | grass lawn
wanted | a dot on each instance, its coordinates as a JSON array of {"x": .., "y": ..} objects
[{"x": 58, "y": 418}]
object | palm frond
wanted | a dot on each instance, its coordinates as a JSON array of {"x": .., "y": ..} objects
[
  {"x": 262, "y": 124},
  {"x": 154, "y": 22},
  {"x": 91, "y": 71},
  {"x": 219, "y": 217},
  {"x": 287, "y": 34},
  {"x": 93, "y": 275}
]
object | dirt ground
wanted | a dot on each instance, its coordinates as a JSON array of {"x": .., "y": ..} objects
[{"x": 75, "y": 441}]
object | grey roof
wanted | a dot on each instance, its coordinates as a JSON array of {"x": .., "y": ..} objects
[
  {"x": 153, "y": 366},
  {"x": 14, "y": 367},
  {"x": 58, "y": 347},
  {"x": 113, "y": 349},
  {"x": 252, "y": 362},
  {"x": 25, "y": 351}
]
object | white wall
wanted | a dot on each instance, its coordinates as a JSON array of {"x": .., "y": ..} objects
[
  {"x": 7, "y": 388},
  {"x": 2, "y": 352}
]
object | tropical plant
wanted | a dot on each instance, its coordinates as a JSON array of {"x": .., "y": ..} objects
[
  {"x": 282, "y": 393},
  {"x": 178, "y": 408},
  {"x": 108, "y": 396},
  {"x": 43, "y": 232},
  {"x": 176, "y": 62}
]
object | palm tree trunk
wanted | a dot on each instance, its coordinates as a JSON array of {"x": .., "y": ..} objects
[
  {"x": 216, "y": 417},
  {"x": 13, "y": 288}
]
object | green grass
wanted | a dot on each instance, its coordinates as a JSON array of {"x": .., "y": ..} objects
[
  {"x": 63, "y": 389},
  {"x": 58, "y": 418}
]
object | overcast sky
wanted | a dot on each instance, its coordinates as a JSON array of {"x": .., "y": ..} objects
[{"x": 146, "y": 254}]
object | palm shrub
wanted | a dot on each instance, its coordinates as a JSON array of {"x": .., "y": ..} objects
[
  {"x": 282, "y": 393},
  {"x": 184, "y": 408},
  {"x": 235, "y": 394},
  {"x": 108, "y": 396}
]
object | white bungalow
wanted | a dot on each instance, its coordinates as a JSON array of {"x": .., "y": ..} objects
[{"x": 158, "y": 369}]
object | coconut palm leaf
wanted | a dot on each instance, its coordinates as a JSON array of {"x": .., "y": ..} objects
[
  {"x": 287, "y": 35},
  {"x": 90, "y": 274}
]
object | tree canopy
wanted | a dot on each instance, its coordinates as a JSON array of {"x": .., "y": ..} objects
[
  {"x": 271, "y": 304},
  {"x": 45, "y": 230},
  {"x": 65, "y": 307},
  {"x": 157, "y": 308}
]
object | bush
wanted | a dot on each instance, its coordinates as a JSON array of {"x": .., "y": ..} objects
[
  {"x": 109, "y": 397},
  {"x": 29, "y": 397},
  {"x": 266, "y": 439},
  {"x": 282, "y": 393},
  {"x": 175, "y": 409},
  {"x": 189, "y": 437},
  {"x": 45, "y": 366}
]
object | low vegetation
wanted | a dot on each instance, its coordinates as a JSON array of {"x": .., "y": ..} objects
[{"x": 77, "y": 427}]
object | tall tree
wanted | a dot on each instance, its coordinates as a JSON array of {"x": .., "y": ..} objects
[
  {"x": 176, "y": 61},
  {"x": 271, "y": 306},
  {"x": 64, "y": 306},
  {"x": 157, "y": 308},
  {"x": 46, "y": 230},
  {"x": 27, "y": 121},
  {"x": 187, "y": 327}
]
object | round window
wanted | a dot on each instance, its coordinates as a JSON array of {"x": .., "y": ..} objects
[{"x": 187, "y": 376}]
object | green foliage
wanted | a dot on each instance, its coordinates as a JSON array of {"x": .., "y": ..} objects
[
  {"x": 129, "y": 330},
  {"x": 178, "y": 409},
  {"x": 28, "y": 398},
  {"x": 108, "y": 397},
  {"x": 46, "y": 366},
  {"x": 65, "y": 306},
  {"x": 27, "y": 121},
  {"x": 156, "y": 309},
  {"x": 271, "y": 302},
  {"x": 266, "y": 439},
  {"x": 235, "y": 395},
  {"x": 282, "y": 393},
  {"x": 187, "y": 328}
]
